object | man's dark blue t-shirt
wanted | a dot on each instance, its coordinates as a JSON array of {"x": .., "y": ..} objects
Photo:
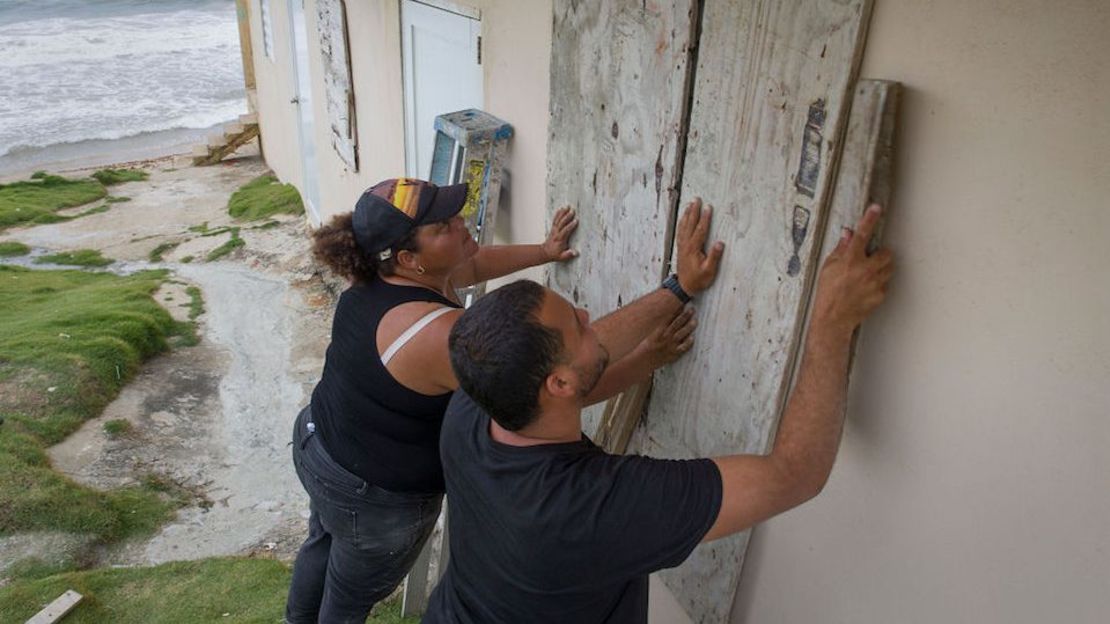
[{"x": 560, "y": 533}]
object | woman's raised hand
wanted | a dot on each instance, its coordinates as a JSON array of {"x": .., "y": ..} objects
[{"x": 557, "y": 245}]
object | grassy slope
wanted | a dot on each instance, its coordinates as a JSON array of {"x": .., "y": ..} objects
[
  {"x": 210, "y": 590},
  {"x": 68, "y": 341},
  {"x": 80, "y": 257},
  {"x": 10, "y": 249},
  {"x": 263, "y": 197},
  {"x": 34, "y": 201}
]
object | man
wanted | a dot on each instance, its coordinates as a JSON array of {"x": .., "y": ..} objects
[{"x": 546, "y": 527}]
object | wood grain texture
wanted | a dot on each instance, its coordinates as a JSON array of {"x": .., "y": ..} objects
[
  {"x": 338, "y": 89},
  {"x": 769, "y": 107},
  {"x": 866, "y": 171},
  {"x": 619, "y": 86},
  {"x": 57, "y": 609}
]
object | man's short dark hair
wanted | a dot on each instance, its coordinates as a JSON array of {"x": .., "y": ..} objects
[{"x": 502, "y": 354}]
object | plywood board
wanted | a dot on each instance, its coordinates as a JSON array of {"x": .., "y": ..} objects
[
  {"x": 770, "y": 102},
  {"x": 619, "y": 87},
  {"x": 866, "y": 171},
  {"x": 338, "y": 89}
]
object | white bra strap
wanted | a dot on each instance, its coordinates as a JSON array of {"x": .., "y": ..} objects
[{"x": 403, "y": 339}]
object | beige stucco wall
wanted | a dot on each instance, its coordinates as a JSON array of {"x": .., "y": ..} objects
[
  {"x": 516, "y": 41},
  {"x": 374, "y": 30},
  {"x": 274, "y": 81},
  {"x": 973, "y": 483}
]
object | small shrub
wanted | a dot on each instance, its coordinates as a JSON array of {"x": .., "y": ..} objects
[
  {"x": 108, "y": 177},
  {"x": 118, "y": 427}
]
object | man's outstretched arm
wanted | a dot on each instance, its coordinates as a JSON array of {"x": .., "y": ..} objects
[
  {"x": 623, "y": 329},
  {"x": 665, "y": 345},
  {"x": 851, "y": 285}
]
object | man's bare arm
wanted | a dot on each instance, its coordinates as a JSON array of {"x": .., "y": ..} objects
[
  {"x": 852, "y": 284},
  {"x": 621, "y": 330},
  {"x": 665, "y": 345}
]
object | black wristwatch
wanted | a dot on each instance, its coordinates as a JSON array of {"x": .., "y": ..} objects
[{"x": 671, "y": 284}]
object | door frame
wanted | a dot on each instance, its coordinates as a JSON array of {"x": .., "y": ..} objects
[{"x": 310, "y": 175}]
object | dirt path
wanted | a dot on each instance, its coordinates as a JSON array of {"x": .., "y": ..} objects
[{"x": 215, "y": 418}]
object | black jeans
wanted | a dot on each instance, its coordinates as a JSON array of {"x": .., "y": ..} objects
[{"x": 362, "y": 539}]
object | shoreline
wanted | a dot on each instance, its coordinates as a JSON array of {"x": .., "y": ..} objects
[{"x": 99, "y": 153}]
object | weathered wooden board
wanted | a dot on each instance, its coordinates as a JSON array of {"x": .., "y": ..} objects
[
  {"x": 866, "y": 171},
  {"x": 619, "y": 88},
  {"x": 331, "y": 16},
  {"x": 770, "y": 101},
  {"x": 57, "y": 609}
]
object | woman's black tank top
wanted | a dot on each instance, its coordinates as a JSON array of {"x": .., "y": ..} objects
[{"x": 371, "y": 424}]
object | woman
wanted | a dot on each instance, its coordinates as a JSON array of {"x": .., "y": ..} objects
[{"x": 367, "y": 446}]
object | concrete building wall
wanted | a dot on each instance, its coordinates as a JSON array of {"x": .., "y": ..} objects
[{"x": 973, "y": 483}]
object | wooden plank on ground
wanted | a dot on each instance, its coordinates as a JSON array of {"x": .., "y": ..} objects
[
  {"x": 58, "y": 609},
  {"x": 770, "y": 102},
  {"x": 619, "y": 88}
]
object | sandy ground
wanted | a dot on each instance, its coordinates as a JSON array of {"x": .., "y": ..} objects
[{"x": 215, "y": 418}]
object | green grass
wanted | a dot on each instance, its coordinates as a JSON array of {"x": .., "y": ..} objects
[
  {"x": 196, "y": 302},
  {"x": 34, "y": 201},
  {"x": 187, "y": 259},
  {"x": 108, "y": 177},
  {"x": 203, "y": 229},
  {"x": 263, "y": 197},
  {"x": 231, "y": 245},
  {"x": 84, "y": 335},
  {"x": 209, "y": 590},
  {"x": 11, "y": 249},
  {"x": 156, "y": 253},
  {"x": 116, "y": 200},
  {"x": 81, "y": 257},
  {"x": 91, "y": 211},
  {"x": 266, "y": 226},
  {"x": 118, "y": 427}
]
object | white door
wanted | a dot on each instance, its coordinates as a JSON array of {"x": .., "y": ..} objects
[
  {"x": 303, "y": 100},
  {"x": 441, "y": 73}
]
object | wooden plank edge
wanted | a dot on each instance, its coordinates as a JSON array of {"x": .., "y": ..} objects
[
  {"x": 57, "y": 609},
  {"x": 874, "y": 113}
]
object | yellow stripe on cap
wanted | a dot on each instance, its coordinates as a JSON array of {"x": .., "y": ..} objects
[{"x": 406, "y": 197}]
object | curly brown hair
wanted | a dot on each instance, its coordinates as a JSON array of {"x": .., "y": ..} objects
[{"x": 334, "y": 245}]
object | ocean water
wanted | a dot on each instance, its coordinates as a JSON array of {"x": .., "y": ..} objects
[{"x": 75, "y": 74}]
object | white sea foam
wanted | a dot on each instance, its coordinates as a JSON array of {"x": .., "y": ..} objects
[{"x": 85, "y": 69}]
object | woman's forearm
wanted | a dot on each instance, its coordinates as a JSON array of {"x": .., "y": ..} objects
[{"x": 498, "y": 260}]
